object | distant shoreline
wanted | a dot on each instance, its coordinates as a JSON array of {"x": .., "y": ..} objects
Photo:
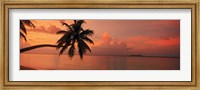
[
  {"x": 138, "y": 55},
  {"x": 154, "y": 56}
]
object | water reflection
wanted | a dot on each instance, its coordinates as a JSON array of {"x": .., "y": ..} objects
[{"x": 63, "y": 62}]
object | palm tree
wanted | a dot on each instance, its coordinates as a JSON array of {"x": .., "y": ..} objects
[
  {"x": 23, "y": 28},
  {"x": 75, "y": 35}
]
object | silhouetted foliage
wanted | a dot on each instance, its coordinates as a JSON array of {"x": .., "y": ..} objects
[
  {"x": 75, "y": 34},
  {"x": 23, "y": 29}
]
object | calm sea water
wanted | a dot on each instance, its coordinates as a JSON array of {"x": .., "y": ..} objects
[{"x": 63, "y": 62}]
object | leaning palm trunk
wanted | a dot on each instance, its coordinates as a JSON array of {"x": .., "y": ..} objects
[{"x": 36, "y": 46}]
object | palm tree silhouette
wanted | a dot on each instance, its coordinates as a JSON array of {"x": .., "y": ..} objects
[
  {"x": 23, "y": 28},
  {"x": 75, "y": 34}
]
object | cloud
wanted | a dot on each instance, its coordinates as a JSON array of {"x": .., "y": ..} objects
[
  {"x": 108, "y": 46},
  {"x": 128, "y": 28},
  {"x": 165, "y": 42},
  {"x": 153, "y": 41},
  {"x": 52, "y": 29},
  {"x": 106, "y": 39},
  {"x": 61, "y": 20},
  {"x": 156, "y": 46},
  {"x": 144, "y": 45}
]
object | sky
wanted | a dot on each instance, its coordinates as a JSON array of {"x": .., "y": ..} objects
[{"x": 112, "y": 37}]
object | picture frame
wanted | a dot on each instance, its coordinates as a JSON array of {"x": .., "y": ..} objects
[{"x": 183, "y": 85}]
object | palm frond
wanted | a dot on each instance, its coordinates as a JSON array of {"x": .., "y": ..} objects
[
  {"x": 23, "y": 36},
  {"x": 28, "y": 23},
  {"x": 71, "y": 51},
  {"x": 87, "y": 32},
  {"x": 80, "y": 22},
  {"x": 22, "y": 27},
  {"x": 67, "y": 25},
  {"x": 86, "y": 46},
  {"x": 87, "y": 39},
  {"x": 64, "y": 39},
  {"x": 64, "y": 47},
  {"x": 61, "y": 32},
  {"x": 83, "y": 47},
  {"x": 80, "y": 49},
  {"x": 75, "y": 21}
]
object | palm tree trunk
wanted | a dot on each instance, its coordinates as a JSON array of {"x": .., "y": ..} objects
[{"x": 36, "y": 46}]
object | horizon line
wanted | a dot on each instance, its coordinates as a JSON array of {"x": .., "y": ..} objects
[{"x": 131, "y": 55}]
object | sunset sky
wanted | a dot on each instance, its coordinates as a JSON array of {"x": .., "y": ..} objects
[{"x": 113, "y": 37}]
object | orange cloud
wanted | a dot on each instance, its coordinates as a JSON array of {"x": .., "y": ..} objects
[
  {"x": 145, "y": 40},
  {"x": 106, "y": 39},
  {"x": 168, "y": 42},
  {"x": 154, "y": 45},
  {"x": 35, "y": 38},
  {"x": 106, "y": 45}
]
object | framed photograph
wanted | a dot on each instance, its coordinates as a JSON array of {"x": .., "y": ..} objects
[{"x": 104, "y": 45}]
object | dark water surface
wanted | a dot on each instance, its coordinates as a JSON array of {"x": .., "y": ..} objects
[{"x": 63, "y": 62}]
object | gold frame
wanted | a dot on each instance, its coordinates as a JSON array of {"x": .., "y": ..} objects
[{"x": 6, "y": 84}]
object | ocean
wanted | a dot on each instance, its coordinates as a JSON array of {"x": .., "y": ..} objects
[{"x": 90, "y": 62}]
